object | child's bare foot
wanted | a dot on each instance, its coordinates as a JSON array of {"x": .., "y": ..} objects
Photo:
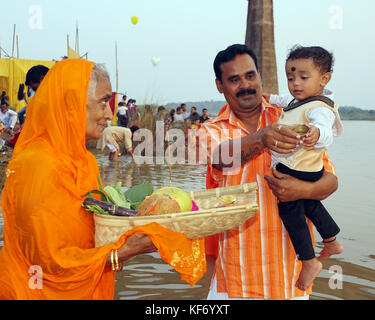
[
  {"x": 331, "y": 247},
  {"x": 310, "y": 269}
]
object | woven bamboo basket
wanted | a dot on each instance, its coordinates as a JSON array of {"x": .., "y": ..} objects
[{"x": 207, "y": 221}]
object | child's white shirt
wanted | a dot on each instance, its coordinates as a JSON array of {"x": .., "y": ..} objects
[{"x": 320, "y": 117}]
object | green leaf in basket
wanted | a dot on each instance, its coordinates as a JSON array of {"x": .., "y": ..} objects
[
  {"x": 89, "y": 194},
  {"x": 104, "y": 196},
  {"x": 138, "y": 193},
  {"x": 95, "y": 209},
  {"x": 117, "y": 186},
  {"x": 135, "y": 205}
]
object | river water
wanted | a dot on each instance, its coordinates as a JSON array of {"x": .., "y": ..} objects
[{"x": 350, "y": 275}]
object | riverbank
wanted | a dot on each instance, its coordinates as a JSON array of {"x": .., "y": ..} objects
[{"x": 4, "y": 159}]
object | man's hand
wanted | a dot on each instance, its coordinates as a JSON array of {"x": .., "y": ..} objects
[
  {"x": 287, "y": 188},
  {"x": 280, "y": 138}
]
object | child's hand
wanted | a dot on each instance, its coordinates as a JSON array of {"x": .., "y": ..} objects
[{"x": 311, "y": 137}]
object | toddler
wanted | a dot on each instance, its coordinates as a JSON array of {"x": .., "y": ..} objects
[{"x": 308, "y": 70}]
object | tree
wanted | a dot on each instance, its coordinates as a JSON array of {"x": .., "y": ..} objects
[{"x": 260, "y": 37}]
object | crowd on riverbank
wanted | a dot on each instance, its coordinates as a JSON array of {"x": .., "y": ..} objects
[{"x": 128, "y": 114}]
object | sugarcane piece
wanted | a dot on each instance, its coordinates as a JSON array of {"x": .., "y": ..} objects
[{"x": 110, "y": 208}]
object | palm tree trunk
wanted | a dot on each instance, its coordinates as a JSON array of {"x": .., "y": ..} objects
[{"x": 260, "y": 37}]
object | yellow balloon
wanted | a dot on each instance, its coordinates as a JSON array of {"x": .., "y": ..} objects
[{"x": 134, "y": 20}]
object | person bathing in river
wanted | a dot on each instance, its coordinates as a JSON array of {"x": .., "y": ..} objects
[
  {"x": 113, "y": 137},
  {"x": 308, "y": 70}
]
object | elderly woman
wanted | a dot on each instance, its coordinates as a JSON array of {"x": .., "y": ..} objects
[{"x": 49, "y": 249}]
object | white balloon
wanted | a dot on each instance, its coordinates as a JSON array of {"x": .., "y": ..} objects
[{"x": 155, "y": 61}]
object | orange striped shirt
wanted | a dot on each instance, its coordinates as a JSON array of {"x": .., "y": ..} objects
[{"x": 257, "y": 259}]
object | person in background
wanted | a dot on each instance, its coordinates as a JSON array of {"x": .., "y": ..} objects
[
  {"x": 8, "y": 119},
  {"x": 122, "y": 115},
  {"x": 34, "y": 77},
  {"x": 184, "y": 111},
  {"x": 179, "y": 122},
  {"x": 193, "y": 110},
  {"x": 132, "y": 109},
  {"x": 179, "y": 116},
  {"x": 195, "y": 121},
  {"x": 204, "y": 117},
  {"x": 169, "y": 119},
  {"x": 124, "y": 98},
  {"x": 113, "y": 137},
  {"x": 159, "y": 116}
]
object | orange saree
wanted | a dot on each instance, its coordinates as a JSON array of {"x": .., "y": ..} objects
[{"x": 49, "y": 250}]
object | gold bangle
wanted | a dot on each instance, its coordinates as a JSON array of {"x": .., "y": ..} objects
[
  {"x": 113, "y": 265},
  {"x": 118, "y": 265},
  {"x": 116, "y": 260}
]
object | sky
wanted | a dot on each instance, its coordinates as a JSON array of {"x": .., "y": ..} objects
[{"x": 187, "y": 35}]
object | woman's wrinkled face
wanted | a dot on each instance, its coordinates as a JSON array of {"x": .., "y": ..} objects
[{"x": 98, "y": 109}]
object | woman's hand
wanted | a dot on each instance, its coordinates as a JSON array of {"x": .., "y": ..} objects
[{"x": 136, "y": 244}]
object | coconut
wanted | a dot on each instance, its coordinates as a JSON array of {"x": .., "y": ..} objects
[{"x": 157, "y": 204}]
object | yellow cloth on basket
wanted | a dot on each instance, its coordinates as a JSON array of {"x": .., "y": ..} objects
[{"x": 49, "y": 247}]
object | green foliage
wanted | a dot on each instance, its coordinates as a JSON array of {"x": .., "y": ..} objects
[{"x": 353, "y": 113}]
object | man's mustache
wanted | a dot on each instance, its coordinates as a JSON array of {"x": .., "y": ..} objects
[{"x": 245, "y": 91}]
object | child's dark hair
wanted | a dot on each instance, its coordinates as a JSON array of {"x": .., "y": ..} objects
[{"x": 323, "y": 59}]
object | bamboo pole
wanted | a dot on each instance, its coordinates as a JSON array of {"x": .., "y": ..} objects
[
  {"x": 18, "y": 49},
  {"x": 6, "y": 53},
  {"x": 77, "y": 39},
  {"x": 67, "y": 45},
  {"x": 116, "y": 67},
  {"x": 14, "y": 38}
]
